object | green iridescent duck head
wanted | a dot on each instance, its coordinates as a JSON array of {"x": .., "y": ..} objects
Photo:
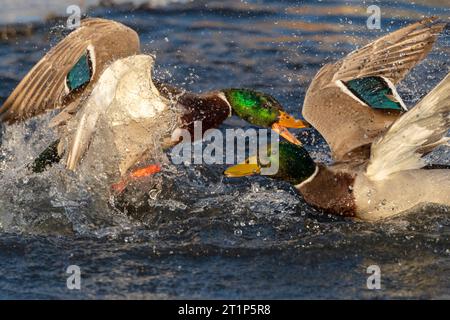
[
  {"x": 263, "y": 110},
  {"x": 294, "y": 164}
]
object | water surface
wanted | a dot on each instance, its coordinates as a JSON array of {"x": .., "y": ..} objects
[{"x": 205, "y": 236}]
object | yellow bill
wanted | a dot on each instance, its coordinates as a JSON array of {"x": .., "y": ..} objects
[
  {"x": 282, "y": 131},
  {"x": 287, "y": 121},
  {"x": 247, "y": 168}
]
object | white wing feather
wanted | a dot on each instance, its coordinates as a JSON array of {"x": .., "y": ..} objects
[
  {"x": 99, "y": 101},
  {"x": 416, "y": 133},
  {"x": 124, "y": 93}
]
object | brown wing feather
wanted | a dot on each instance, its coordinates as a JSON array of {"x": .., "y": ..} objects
[
  {"x": 393, "y": 55},
  {"x": 44, "y": 87},
  {"x": 346, "y": 123}
]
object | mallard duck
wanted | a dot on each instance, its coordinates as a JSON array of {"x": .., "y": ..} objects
[
  {"x": 379, "y": 170},
  {"x": 112, "y": 114},
  {"x": 353, "y": 101},
  {"x": 394, "y": 179}
]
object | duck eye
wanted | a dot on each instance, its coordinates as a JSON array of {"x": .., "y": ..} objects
[{"x": 80, "y": 74}]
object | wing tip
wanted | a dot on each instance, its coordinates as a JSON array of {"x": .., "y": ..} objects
[{"x": 434, "y": 23}]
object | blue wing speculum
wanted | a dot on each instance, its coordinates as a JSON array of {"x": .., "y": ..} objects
[{"x": 375, "y": 92}]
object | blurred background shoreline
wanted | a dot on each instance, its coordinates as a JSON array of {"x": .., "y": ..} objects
[
  {"x": 15, "y": 12},
  {"x": 29, "y": 11}
]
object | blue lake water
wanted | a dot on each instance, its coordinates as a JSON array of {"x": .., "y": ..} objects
[{"x": 205, "y": 236}]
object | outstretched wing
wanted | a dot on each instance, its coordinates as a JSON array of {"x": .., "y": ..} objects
[
  {"x": 392, "y": 56},
  {"x": 355, "y": 100},
  {"x": 69, "y": 68},
  {"x": 416, "y": 133}
]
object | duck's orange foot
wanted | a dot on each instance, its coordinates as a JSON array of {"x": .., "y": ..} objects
[
  {"x": 136, "y": 174},
  {"x": 145, "y": 171}
]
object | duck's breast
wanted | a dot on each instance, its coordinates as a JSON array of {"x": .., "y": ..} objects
[{"x": 400, "y": 192}]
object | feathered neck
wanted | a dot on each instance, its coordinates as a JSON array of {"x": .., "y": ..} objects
[{"x": 210, "y": 108}]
